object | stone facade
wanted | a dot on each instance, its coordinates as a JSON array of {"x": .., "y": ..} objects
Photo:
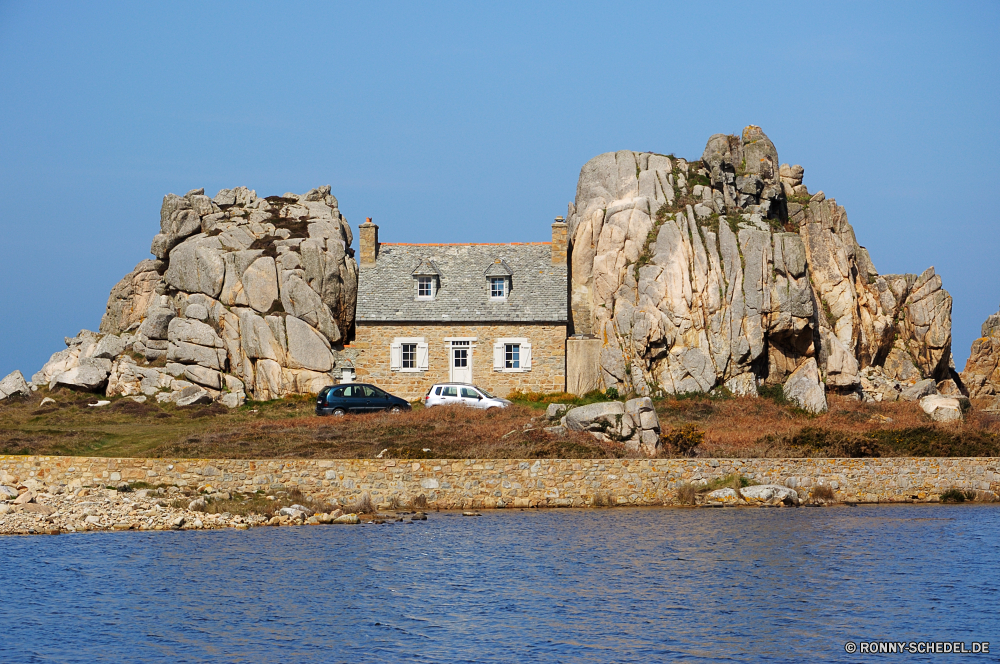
[
  {"x": 548, "y": 357},
  {"x": 490, "y": 483}
]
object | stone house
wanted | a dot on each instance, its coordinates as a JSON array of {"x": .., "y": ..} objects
[{"x": 490, "y": 314}]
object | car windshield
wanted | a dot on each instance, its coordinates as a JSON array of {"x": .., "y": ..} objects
[{"x": 486, "y": 394}]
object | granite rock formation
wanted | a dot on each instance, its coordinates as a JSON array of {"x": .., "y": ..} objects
[
  {"x": 246, "y": 296},
  {"x": 982, "y": 369},
  {"x": 726, "y": 271}
]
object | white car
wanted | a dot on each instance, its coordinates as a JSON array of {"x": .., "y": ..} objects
[{"x": 444, "y": 394}]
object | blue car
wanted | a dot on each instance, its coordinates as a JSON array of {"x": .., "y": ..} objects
[{"x": 338, "y": 400}]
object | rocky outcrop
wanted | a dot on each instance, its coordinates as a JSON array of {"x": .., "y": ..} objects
[
  {"x": 633, "y": 422},
  {"x": 982, "y": 370},
  {"x": 726, "y": 271},
  {"x": 247, "y": 296},
  {"x": 14, "y": 383}
]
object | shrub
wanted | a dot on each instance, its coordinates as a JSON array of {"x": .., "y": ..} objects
[
  {"x": 957, "y": 496},
  {"x": 822, "y": 492},
  {"x": 611, "y": 393},
  {"x": 362, "y": 505},
  {"x": 731, "y": 481},
  {"x": 683, "y": 440},
  {"x": 775, "y": 393},
  {"x": 686, "y": 493}
]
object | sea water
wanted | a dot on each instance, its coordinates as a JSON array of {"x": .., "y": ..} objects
[{"x": 598, "y": 585}]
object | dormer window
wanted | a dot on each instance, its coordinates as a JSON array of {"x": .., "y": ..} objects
[
  {"x": 426, "y": 278},
  {"x": 498, "y": 288},
  {"x": 498, "y": 279}
]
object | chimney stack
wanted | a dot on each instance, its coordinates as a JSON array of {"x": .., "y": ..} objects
[
  {"x": 560, "y": 241},
  {"x": 368, "y": 240}
]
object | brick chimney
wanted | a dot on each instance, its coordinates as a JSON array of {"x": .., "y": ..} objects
[
  {"x": 560, "y": 241},
  {"x": 368, "y": 240}
]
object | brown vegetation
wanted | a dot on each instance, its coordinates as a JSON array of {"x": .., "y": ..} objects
[
  {"x": 763, "y": 427},
  {"x": 285, "y": 428},
  {"x": 693, "y": 425}
]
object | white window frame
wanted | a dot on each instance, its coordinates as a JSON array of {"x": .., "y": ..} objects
[
  {"x": 500, "y": 354},
  {"x": 396, "y": 354},
  {"x": 430, "y": 282},
  {"x": 503, "y": 282}
]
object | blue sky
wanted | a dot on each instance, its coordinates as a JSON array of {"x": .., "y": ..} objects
[{"x": 455, "y": 122}]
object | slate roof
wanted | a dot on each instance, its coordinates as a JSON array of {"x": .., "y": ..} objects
[{"x": 538, "y": 289}]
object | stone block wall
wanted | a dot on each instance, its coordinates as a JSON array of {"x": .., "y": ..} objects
[
  {"x": 494, "y": 483},
  {"x": 548, "y": 357}
]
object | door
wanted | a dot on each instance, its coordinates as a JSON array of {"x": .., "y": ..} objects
[{"x": 461, "y": 362}]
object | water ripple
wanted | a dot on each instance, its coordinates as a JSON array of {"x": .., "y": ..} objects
[{"x": 617, "y": 585}]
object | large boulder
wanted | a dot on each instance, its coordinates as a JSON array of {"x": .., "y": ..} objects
[
  {"x": 942, "y": 409},
  {"x": 157, "y": 322},
  {"x": 14, "y": 383},
  {"x": 763, "y": 493},
  {"x": 85, "y": 378},
  {"x": 307, "y": 348},
  {"x": 109, "y": 347},
  {"x": 805, "y": 389},
  {"x": 596, "y": 417},
  {"x": 193, "y": 332},
  {"x": 919, "y": 390}
]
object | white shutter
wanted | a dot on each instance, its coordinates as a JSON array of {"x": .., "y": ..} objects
[
  {"x": 396, "y": 357},
  {"x": 422, "y": 357},
  {"x": 498, "y": 356},
  {"x": 526, "y": 356}
]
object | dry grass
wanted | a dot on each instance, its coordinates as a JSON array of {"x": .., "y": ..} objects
[
  {"x": 822, "y": 492},
  {"x": 285, "y": 428},
  {"x": 697, "y": 426},
  {"x": 760, "y": 427},
  {"x": 687, "y": 494}
]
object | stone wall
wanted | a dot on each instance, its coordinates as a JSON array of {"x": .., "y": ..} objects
[
  {"x": 548, "y": 357},
  {"x": 490, "y": 483}
]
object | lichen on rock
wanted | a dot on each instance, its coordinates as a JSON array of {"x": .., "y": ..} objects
[
  {"x": 727, "y": 271},
  {"x": 247, "y": 297}
]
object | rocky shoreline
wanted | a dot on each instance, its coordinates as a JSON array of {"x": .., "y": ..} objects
[
  {"x": 32, "y": 508},
  {"x": 52, "y": 510}
]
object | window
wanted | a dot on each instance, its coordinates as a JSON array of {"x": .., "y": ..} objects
[
  {"x": 498, "y": 288},
  {"x": 409, "y": 356},
  {"x": 449, "y": 391},
  {"x": 512, "y": 356},
  {"x": 460, "y": 354},
  {"x": 425, "y": 287}
]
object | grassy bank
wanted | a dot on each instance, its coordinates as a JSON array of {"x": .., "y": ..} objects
[{"x": 695, "y": 425}]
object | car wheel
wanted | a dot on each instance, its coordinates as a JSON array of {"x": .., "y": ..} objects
[
  {"x": 493, "y": 410},
  {"x": 338, "y": 412},
  {"x": 396, "y": 410}
]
